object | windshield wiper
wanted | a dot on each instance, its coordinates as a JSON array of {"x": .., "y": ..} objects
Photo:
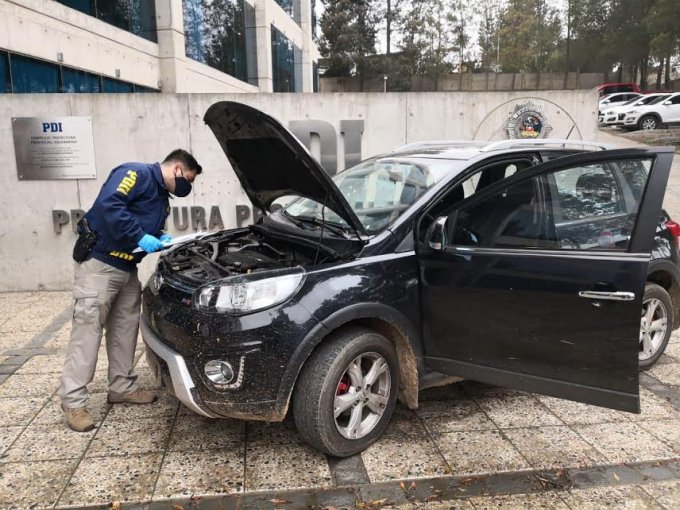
[{"x": 336, "y": 228}]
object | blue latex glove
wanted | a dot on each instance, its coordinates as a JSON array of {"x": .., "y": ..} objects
[
  {"x": 165, "y": 238},
  {"x": 150, "y": 243}
]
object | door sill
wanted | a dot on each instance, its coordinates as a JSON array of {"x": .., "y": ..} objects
[{"x": 618, "y": 400}]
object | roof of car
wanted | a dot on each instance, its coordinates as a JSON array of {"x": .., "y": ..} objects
[{"x": 468, "y": 149}]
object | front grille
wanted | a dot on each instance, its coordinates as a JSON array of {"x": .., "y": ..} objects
[{"x": 622, "y": 116}]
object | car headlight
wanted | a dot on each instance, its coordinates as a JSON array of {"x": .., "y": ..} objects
[
  {"x": 610, "y": 112},
  {"x": 632, "y": 112},
  {"x": 250, "y": 292}
]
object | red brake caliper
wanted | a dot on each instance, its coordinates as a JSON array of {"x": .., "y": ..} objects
[{"x": 343, "y": 385}]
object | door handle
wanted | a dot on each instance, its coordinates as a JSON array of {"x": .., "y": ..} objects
[{"x": 611, "y": 296}]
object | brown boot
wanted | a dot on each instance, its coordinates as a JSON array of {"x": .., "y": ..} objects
[
  {"x": 79, "y": 419},
  {"x": 134, "y": 397}
]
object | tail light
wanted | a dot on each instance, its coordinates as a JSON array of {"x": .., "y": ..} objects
[{"x": 674, "y": 229}]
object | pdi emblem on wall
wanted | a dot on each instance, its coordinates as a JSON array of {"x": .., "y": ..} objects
[{"x": 528, "y": 120}]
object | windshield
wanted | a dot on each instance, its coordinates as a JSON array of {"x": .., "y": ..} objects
[{"x": 378, "y": 191}]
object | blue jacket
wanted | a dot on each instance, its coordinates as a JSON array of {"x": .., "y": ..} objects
[{"x": 132, "y": 202}]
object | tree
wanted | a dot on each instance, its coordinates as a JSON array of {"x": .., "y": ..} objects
[
  {"x": 427, "y": 43},
  {"x": 587, "y": 28},
  {"x": 627, "y": 40},
  {"x": 348, "y": 29},
  {"x": 662, "y": 22},
  {"x": 461, "y": 17},
  {"x": 530, "y": 35},
  {"x": 487, "y": 34}
]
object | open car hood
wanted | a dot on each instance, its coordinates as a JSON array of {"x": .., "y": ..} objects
[{"x": 270, "y": 162}]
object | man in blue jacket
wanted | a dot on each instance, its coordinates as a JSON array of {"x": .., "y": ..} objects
[{"x": 129, "y": 213}]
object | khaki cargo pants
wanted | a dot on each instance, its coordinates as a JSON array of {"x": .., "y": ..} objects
[{"x": 105, "y": 298}]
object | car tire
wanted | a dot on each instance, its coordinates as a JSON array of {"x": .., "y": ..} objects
[
  {"x": 331, "y": 372},
  {"x": 648, "y": 123},
  {"x": 658, "y": 305}
]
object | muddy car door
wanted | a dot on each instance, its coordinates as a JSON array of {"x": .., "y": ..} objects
[{"x": 536, "y": 282}]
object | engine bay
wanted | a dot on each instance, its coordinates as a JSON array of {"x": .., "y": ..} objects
[{"x": 235, "y": 252}]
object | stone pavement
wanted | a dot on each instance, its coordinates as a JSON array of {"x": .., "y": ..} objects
[{"x": 468, "y": 446}]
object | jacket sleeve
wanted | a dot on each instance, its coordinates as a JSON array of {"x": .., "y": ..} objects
[{"x": 121, "y": 188}]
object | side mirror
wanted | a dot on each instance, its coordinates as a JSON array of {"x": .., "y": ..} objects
[
  {"x": 667, "y": 103},
  {"x": 436, "y": 234}
]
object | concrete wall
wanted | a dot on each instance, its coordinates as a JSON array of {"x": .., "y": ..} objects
[
  {"x": 146, "y": 127},
  {"x": 474, "y": 82}
]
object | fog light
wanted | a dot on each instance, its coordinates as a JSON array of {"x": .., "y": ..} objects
[{"x": 219, "y": 372}]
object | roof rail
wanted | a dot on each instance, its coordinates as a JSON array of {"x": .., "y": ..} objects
[
  {"x": 509, "y": 144},
  {"x": 416, "y": 145}
]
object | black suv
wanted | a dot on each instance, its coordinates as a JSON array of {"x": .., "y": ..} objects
[{"x": 512, "y": 263}]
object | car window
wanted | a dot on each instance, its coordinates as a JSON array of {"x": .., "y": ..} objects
[
  {"x": 489, "y": 175},
  {"x": 591, "y": 207},
  {"x": 675, "y": 100},
  {"x": 378, "y": 190},
  {"x": 658, "y": 100},
  {"x": 482, "y": 178},
  {"x": 586, "y": 191}
]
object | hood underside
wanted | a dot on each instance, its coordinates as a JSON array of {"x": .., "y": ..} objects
[{"x": 270, "y": 162}]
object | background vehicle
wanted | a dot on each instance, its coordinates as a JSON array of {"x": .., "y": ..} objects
[
  {"x": 515, "y": 263},
  {"x": 653, "y": 116},
  {"x": 614, "y": 100},
  {"x": 618, "y": 98},
  {"x": 611, "y": 88},
  {"x": 614, "y": 116}
]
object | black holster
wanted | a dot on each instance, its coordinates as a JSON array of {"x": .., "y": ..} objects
[{"x": 87, "y": 238}]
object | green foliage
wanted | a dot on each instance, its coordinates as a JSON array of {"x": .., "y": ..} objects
[
  {"x": 435, "y": 37},
  {"x": 530, "y": 34},
  {"x": 348, "y": 37}
]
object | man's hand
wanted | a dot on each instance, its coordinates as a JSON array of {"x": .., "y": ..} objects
[
  {"x": 165, "y": 238},
  {"x": 150, "y": 243}
]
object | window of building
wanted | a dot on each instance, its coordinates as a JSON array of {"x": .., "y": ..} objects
[
  {"x": 31, "y": 75},
  {"x": 78, "y": 82},
  {"x": 290, "y": 6},
  {"x": 314, "y": 20},
  {"x": 315, "y": 77},
  {"x": 135, "y": 16},
  {"x": 117, "y": 86},
  {"x": 5, "y": 84},
  {"x": 215, "y": 34},
  {"x": 285, "y": 59},
  {"x": 142, "y": 89}
]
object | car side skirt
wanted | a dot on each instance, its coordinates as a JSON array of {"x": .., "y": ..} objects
[{"x": 523, "y": 382}]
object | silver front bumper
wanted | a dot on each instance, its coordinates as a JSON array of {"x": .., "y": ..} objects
[{"x": 179, "y": 374}]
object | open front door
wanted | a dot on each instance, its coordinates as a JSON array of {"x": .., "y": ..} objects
[{"x": 536, "y": 282}]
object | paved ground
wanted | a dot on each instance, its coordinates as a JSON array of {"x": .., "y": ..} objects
[
  {"x": 469, "y": 446},
  {"x": 484, "y": 447}
]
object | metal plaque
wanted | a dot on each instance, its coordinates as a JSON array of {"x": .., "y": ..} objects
[{"x": 54, "y": 148}]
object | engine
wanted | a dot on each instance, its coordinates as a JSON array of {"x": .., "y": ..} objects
[{"x": 232, "y": 253}]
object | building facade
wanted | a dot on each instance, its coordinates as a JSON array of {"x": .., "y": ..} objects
[{"x": 175, "y": 46}]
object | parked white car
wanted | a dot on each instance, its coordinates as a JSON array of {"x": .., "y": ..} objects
[
  {"x": 615, "y": 115},
  {"x": 665, "y": 112},
  {"x": 617, "y": 98}
]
